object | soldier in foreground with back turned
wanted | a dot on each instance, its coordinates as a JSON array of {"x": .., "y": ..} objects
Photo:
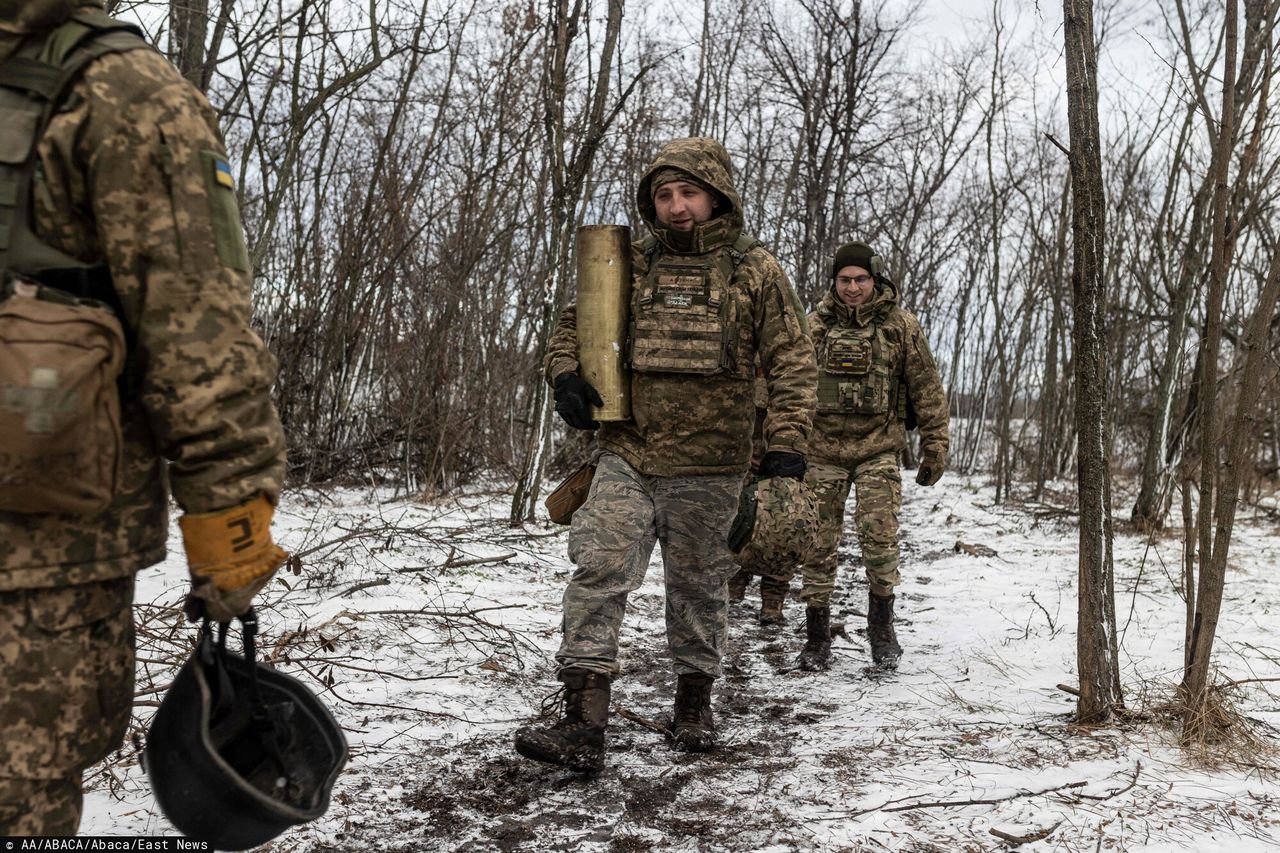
[
  {"x": 127, "y": 368},
  {"x": 706, "y": 301},
  {"x": 875, "y": 373}
]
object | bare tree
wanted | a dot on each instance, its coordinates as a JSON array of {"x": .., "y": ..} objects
[
  {"x": 1220, "y": 473},
  {"x": 572, "y": 158},
  {"x": 1096, "y": 650}
]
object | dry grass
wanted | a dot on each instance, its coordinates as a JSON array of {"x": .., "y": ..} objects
[{"x": 1216, "y": 735}]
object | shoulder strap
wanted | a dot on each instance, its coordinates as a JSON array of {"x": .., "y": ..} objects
[
  {"x": 45, "y": 77},
  {"x": 745, "y": 243},
  {"x": 106, "y": 35},
  {"x": 738, "y": 251},
  {"x": 33, "y": 86},
  {"x": 731, "y": 257},
  {"x": 648, "y": 245}
]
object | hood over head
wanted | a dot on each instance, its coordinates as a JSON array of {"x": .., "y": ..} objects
[
  {"x": 706, "y": 161},
  {"x": 33, "y": 16}
]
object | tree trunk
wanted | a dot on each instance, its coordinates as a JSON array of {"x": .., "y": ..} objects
[
  {"x": 188, "y": 26},
  {"x": 1096, "y": 631},
  {"x": 1220, "y": 477},
  {"x": 569, "y": 173}
]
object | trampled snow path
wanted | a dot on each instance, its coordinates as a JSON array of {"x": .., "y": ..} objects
[{"x": 430, "y": 670}]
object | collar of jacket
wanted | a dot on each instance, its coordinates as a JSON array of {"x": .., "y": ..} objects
[
  {"x": 835, "y": 312},
  {"x": 33, "y": 16},
  {"x": 704, "y": 237}
]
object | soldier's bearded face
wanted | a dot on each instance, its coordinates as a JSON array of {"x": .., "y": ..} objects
[
  {"x": 854, "y": 285},
  {"x": 682, "y": 205}
]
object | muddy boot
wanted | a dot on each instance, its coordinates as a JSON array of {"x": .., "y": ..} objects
[
  {"x": 817, "y": 645},
  {"x": 738, "y": 585},
  {"x": 772, "y": 594},
  {"x": 885, "y": 650},
  {"x": 576, "y": 740},
  {"x": 692, "y": 728}
]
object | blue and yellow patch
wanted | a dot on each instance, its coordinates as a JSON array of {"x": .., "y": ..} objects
[{"x": 222, "y": 174}]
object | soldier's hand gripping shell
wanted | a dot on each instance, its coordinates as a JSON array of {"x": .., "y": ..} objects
[
  {"x": 931, "y": 468},
  {"x": 574, "y": 399},
  {"x": 230, "y": 556},
  {"x": 782, "y": 463}
]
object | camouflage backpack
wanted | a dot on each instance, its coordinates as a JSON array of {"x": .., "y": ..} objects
[
  {"x": 777, "y": 524},
  {"x": 62, "y": 344}
]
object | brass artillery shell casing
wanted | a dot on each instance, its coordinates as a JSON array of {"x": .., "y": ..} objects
[{"x": 604, "y": 307}]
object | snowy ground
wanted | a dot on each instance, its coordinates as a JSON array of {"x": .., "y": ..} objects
[{"x": 430, "y": 669}]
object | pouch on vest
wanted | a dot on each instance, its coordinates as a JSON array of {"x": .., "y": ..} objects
[
  {"x": 564, "y": 501},
  {"x": 60, "y": 439}
]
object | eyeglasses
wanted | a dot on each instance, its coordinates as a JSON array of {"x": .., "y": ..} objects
[{"x": 860, "y": 280}]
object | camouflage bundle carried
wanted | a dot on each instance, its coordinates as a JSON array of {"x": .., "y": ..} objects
[{"x": 776, "y": 525}]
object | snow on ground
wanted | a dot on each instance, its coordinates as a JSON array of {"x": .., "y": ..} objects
[{"x": 430, "y": 670}]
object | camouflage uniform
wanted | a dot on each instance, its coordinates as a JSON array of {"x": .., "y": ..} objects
[
  {"x": 673, "y": 473},
  {"x": 126, "y": 181},
  {"x": 856, "y": 443},
  {"x": 612, "y": 536}
]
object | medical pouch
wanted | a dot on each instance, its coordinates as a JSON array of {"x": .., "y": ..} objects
[{"x": 61, "y": 359}]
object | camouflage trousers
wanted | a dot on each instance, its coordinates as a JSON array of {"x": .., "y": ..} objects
[
  {"x": 610, "y": 542},
  {"x": 878, "y": 484},
  {"x": 66, "y": 691}
]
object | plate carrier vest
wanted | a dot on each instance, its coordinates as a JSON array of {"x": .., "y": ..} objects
[
  {"x": 685, "y": 315},
  {"x": 855, "y": 374}
]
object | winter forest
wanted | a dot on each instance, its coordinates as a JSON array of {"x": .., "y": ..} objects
[{"x": 1080, "y": 202}]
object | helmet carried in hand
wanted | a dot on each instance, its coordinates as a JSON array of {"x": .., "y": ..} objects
[
  {"x": 777, "y": 523},
  {"x": 238, "y": 752}
]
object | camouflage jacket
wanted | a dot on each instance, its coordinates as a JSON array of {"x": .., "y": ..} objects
[
  {"x": 848, "y": 438},
  {"x": 126, "y": 180},
  {"x": 687, "y": 423}
]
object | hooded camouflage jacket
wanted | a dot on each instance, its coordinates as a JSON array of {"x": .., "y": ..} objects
[
  {"x": 699, "y": 421},
  {"x": 867, "y": 357},
  {"x": 128, "y": 179}
]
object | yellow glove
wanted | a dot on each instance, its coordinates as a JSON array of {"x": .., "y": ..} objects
[{"x": 231, "y": 557}]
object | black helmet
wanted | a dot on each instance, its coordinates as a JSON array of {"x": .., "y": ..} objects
[{"x": 237, "y": 752}]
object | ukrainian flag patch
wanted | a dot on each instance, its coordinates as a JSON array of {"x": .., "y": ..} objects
[{"x": 222, "y": 174}]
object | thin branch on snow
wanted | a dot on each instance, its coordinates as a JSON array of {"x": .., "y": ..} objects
[{"x": 946, "y": 804}]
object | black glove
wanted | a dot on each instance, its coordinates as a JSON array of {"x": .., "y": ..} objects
[
  {"x": 931, "y": 468},
  {"x": 782, "y": 463},
  {"x": 574, "y": 397}
]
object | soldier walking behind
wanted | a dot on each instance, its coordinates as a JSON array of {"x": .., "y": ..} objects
[
  {"x": 706, "y": 301},
  {"x": 875, "y": 372},
  {"x": 126, "y": 362}
]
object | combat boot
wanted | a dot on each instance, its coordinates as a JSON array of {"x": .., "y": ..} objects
[
  {"x": 576, "y": 740},
  {"x": 817, "y": 645},
  {"x": 692, "y": 728},
  {"x": 885, "y": 650},
  {"x": 773, "y": 593},
  {"x": 738, "y": 585}
]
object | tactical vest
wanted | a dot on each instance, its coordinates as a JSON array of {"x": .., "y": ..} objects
[
  {"x": 33, "y": 85},
  {"x": 857, "y": 373},
  {"x": 685, "y": 314}
]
